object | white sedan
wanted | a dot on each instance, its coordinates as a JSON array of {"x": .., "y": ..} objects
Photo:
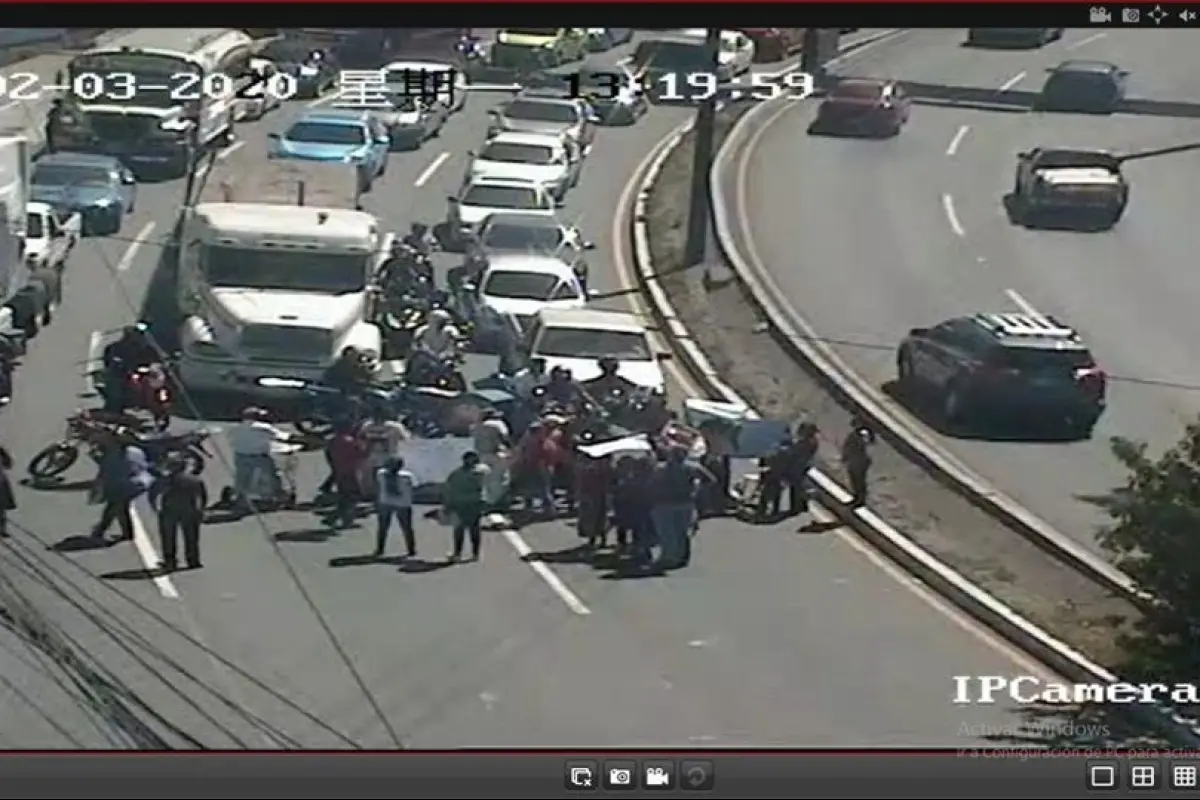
[
  {"x": 547, "y": 159},
  {"x": 482, "y": 197},
  {"x": 736, "y": 53},
  {"x": 260, "y": 96},
  {"x": 520, "y": 285}
]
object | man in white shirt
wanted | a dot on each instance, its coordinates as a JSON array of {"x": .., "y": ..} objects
[
  {"x": 252, "y": 441},
  {"x": 492, "y": 443},
  {"x": 382, "y": 438}
]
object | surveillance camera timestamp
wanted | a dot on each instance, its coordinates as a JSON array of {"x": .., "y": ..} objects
[{"x": 690, "y": 87}]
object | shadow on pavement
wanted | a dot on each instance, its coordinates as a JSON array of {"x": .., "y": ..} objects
[
  {"x": 307, "y": 535},
  {"x": 1018, "y": 430},
  {"x": 55, "y": 485},
  {"x": 141, "y": 574},
  {"x": 419, "y": 566},
  {"x": 364, "y": 560},
  {"x": 80, "y": 542}
]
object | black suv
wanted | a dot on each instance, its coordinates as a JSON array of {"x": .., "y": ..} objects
[{"x": 987, "y": 366}]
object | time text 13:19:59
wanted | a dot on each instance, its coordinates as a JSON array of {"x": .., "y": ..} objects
[{"x": 689, "y": 87}]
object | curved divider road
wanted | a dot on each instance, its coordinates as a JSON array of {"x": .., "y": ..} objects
[
  {"x": 769, "y": 638},
  {"x": 940, "y": 244}
]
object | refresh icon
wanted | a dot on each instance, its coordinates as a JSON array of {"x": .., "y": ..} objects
[{"x": 697, "y": 776}]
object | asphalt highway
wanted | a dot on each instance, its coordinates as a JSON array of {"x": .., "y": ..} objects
[
  {"x": 868, "y": 239},
  {"x": 770, "y": 638}
]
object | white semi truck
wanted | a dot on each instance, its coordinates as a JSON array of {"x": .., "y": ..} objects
[
  {"x": 275, "y": 275},
  {"x": 15, "y": 152}
]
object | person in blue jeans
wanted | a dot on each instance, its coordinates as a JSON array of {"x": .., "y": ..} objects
[
  {"x": 124, "y": 477},
  {"x": 676, "y": 486}
]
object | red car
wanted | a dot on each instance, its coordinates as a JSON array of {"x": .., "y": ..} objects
[
  {"x": 774, "y": 44},
  {"x": 863, "y": 106}
]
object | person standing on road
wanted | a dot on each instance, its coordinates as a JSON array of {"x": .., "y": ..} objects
[
  {"x": 124, "y": 477},
  {"x": 8, "y": 501},
  {"x": 856, "y": 458},
  {"x": 382, "y": 439},
  {"x": 394, "y": 500},
  {"x": 800, "y": 457},
  {"x": 180, "y": 499},
  {"x": 346, "y": 456},
  {"x": 493, "y": 443},
  {"x": 674, "y": 512},
  {"x": 463, "y": 501}
]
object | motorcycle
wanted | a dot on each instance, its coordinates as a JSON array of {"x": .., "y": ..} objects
[
  {"x": 438, "y": 373},
  {"x": 323, "y": 405},
  {"x": 83, "y": 431},
  {"x": 147, "y": 388},
  {"x": 630, "y": 406}
]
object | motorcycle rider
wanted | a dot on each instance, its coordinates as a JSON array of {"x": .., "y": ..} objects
[
  {"x": 434, "y": 343},
  {"x": 562, "y": 389},
  {"x": 473, "y": 265},
  {"x": 419, "y": 240},
  {"x": 349, "y": 373},
  {"x": 121, "y": 359},
  {"x": 608, "y": 379}
]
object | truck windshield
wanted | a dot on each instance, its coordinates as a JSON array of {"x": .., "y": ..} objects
[
  {"x": 284, "y": 270},
  {"x": 33, "y": 226}
]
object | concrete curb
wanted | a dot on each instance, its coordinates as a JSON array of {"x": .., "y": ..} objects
[
  {"x": 903, "y": 432},
  {"x": 1058, "y": 655}
]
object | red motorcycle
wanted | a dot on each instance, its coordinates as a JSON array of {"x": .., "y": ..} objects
[{"x": 150, "y": 389}]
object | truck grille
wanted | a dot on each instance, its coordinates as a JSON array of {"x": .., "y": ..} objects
[
  {"x": 287, "y": 343},
  {"x": 110, "y": 125}
]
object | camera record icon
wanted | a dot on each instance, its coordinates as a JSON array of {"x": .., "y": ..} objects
[
  {"x": 658, "y": 776},
  {"x": 1102, "y": 775},
  {"x": 620, "y": 776},
  {"x": 1144, "y": 775},
  {"x": 582, "y": 776}
]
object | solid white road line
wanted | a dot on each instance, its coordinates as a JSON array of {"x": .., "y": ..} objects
[
  {"x": 427, "y": 173},
  {"x": 131, "y": 252},
  {"x": 952, "y": 216},
  {"x": 1013, "y": 81},
  {"x": 546, "y": 574},
  {"x": 1095, "y": 37},
  {"x": 150, "y": 558},
  {"x": 961, "y": 134},
  {"x": 1024, "y": 304}
]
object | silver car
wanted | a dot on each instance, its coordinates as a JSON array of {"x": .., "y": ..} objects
[
  {"x": 555, "y": 115},
  {"x": 410, "y": 120}
]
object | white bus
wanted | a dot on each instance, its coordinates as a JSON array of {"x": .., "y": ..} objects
[{"x": 142, "y": 100}]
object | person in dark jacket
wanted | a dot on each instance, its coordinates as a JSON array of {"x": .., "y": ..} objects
[
  {"x": 632, "y": 500},
  {"x": 773, "y": 471},
  {"x": 462, "y": 499},
  {"x": 180, "y": 499},
  {"x": 121, "y": 358},
  {"x": 593, "y": 480},
  {"x": 7, "y": 501},
  {"x": 51, "y": 281},
  {"x": 676, "y": 483},
  {"x": 856, "y": 458},
  {"x": 800, "y": 457},
  {"x": 124, "y": 477}
]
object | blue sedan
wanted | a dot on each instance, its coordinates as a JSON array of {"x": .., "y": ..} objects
[
  {"x": 348, "y": 137},
  {"x": 99, "y": 188}
]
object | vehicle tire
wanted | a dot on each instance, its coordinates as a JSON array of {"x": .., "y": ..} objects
[
  {"x": 313, "y": 425},
  {"x": 906, "y": 373},
  {"x": 954, "y": 405},
  {"x": 54, "y": 460}
]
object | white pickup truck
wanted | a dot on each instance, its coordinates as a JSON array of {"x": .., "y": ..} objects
[{"x": 49, "y": 237}]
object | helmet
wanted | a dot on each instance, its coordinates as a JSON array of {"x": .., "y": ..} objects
[
  {"x": 349, "y": 352},
  {"x": 253, "y": 413},
  {"x": 439, "y": 315},
  {"x": 609, "y": 365},
  {"x": 419, "y": 228}
]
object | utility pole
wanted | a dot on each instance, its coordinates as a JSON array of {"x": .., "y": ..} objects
[{"x": 698, "y": 206}]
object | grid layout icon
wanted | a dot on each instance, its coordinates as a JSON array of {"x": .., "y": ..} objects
[
  {"x": 1143, "y": 776},
  {"x": 1184, "y": 776}
]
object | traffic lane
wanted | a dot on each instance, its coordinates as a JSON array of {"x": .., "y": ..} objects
[
  {"x": 1126, "y": 290},
  {"x": 247, "y": 579},
  {"x": 923, "y": 269}
]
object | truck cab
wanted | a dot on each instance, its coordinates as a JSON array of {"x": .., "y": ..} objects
[
  {"x": 276, "y": 278},
  {"x": 49, "y": 238}
]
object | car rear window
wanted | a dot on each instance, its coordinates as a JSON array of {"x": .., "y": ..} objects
[
  {"x": 1030, "y": 359},
  {"x": 858, "y": 91}
]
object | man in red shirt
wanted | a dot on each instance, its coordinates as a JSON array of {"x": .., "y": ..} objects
[{"x": 346, "y": 456}]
